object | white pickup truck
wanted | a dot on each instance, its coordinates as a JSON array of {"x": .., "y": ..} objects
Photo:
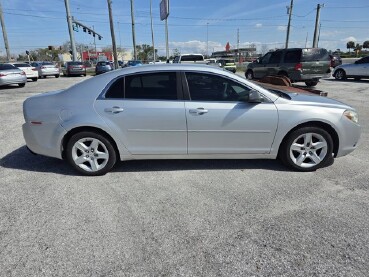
[{"x": 190, "y": 58}]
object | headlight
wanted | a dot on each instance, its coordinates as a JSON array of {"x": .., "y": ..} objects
[{"x": 353, "y": 116}]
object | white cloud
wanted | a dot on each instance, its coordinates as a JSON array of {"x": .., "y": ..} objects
[
  {"x": 349, "y": 39},
  {"x": 282, "y": 28},
  {"x": 258, "y": 25}
]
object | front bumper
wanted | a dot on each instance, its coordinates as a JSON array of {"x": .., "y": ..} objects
[{"x": 349, "y": 137}]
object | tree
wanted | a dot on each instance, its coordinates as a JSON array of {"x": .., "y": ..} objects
[
  {"x": 366, "y": 44},
  {"x": 145, "y": 52},
  {"x": 358, "y": 48},
  {"x": 350, "y": 45}
]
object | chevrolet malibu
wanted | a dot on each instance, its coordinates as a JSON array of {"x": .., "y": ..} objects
[{"x": 179, "y": 111}]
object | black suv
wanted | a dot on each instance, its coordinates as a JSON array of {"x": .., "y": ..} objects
[{"x": 299, "y": 64}]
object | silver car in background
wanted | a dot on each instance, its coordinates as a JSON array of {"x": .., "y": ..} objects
[
  {"x": 178, "y": 111},
  {"x": 46, "y": 69},
  {"x": 11, "y": 75},
  {"x": 357, "y": 70}
]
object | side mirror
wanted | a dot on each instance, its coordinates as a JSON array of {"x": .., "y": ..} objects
[{"x": 255, "y": 97}]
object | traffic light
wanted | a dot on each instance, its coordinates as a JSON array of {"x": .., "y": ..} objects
[
  {"x": 27, "y": 52},
  {"x": 99, "y": 38},
  {"x": 84, "y": 29}
]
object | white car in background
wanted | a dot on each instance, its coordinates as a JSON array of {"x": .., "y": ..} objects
[
  {"x": 31, "y": 71},
  {"x": 46, "y": 69}
]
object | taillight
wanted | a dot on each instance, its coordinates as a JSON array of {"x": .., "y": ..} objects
[
  {"x": 2, "y": 75},
  {"x": 298, "y": 67},
  {"x": 43, "y": 66},
  {"x": 23, "y": 73},
  {"x": 34, "y": 69}
]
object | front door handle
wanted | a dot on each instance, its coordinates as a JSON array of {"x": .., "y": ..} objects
[
  {"x": 198, "y": 111},
  {"x": 113, "y": 110}
]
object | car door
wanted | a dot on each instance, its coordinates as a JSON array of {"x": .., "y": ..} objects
[
  {"x": 360, "y": 68},
  {"x": 273, "y": 66},
  {"x": 259, "y": 68},
  {"x": 147, "y": 111},
  {"x": 221, "y": 121}
]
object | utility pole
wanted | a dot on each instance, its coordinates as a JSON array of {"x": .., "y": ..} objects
[
  {"x": 116, "y": 65},
  {"x": 70, "y": 28},
  {"x": 152, "y": 32},
  {"x": 238, "y": 44},
  {"x": 207, "y": 39},
  {"x": 317, "y": 20},
  {"x": 4, "y": 34},
  {"x": 289, "y": 11},
  {"x": 166, "y": 39},
  {"x": 133, "y": 31},
  {"x": 93, "y": 28}
]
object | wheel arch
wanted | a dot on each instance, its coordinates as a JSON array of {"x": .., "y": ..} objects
[
  {"x": 325, "y": 126},
  {"x": 76, "y": 130}
]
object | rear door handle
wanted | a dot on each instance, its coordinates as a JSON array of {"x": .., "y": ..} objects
[
  {"x": 198, "y": 111},
  {"x": 113, "y": 110}
]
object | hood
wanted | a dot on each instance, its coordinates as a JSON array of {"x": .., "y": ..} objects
[{"x": 316, "y": 101}]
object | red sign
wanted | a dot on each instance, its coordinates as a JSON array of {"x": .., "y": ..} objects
[
  {"x": 227, "y": 47},
  {"x": 92, "y": 55}
]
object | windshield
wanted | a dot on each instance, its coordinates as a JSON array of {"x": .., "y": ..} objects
[
  {"x": 22, "y": 65},
  {"x": 192, "y": 58},
  {"x": 280, "y": 93},
  {"x": 6, "y": 66},
  {"x": 74, "y": 63}
]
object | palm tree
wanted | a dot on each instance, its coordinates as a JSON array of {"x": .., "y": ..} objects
[
  {"x": 350, "y": 45},
  {"x": 366, "y": 44}
]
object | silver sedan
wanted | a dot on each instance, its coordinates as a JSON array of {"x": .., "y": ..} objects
[
  {"x": 177, "y": 111},
  {"x": 11, "y": 75},
  {"x": 357, "y": 70}
]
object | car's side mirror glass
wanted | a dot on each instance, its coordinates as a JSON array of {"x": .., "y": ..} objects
[{"x": 255, "y": 97}]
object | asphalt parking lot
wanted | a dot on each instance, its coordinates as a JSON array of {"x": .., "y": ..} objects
[{"x": 181, "y": 218}]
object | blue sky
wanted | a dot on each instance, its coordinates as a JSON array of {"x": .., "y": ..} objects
[{"x": 192, "y": 25}]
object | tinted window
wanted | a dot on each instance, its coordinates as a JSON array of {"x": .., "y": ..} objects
[
  {"x": 266, "y": 58},
  {"x": 162, "y": 85},
  {"x": 192, "y": 58},
  {"x": 363, "y": 60},
  {"x": 276, "y": 57},
  {"x": 315, "y": 54},
  {"x": 116, "y": 89},
  {"x": 47, "y": 63},
  {"x": 102, "y": 63},
  {"x": 73, "y": 63},
  {"x": 207, "y": 87},
  {"x": 292, "y": 56},
  {"x": 6, "y": 66},
  {"x": 176, "y": 59},
  {"x": 22, "y": 65}
]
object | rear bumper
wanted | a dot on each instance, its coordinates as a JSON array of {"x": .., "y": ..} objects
[
  {"x": 49, "y": 73},
  {"x": 7, "y": 80}
]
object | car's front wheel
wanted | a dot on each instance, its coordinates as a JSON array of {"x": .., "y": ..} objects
[
  {"x": 57, "y": 75},
  {"x": 311, "y": 83},
  {"x": 307, "y": 149},
  {"x": 249, "y": 75},
  {"x": 340, "y": 74},
  {"x": 91, "y": 153}
]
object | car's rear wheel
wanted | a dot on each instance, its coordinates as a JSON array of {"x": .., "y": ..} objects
[
  {"x": 340, "y": 75},
  {"x": 22, "y": 85},
  {"x": 34, "y": 79},
  {"x": 57, "y": 75},
  {"x": 311, "y": 83},
  {"x": 307, "y": 149},
  {"x": 91, "y": 153},
  {"x": 249, "y": 75}
]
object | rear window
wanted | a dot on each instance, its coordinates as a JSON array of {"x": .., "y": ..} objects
[
  {"x": 47, "y": 63},
  {"x": 74, "y": 63},
  {"x": 192, "y": 58},
  {"x": 22, "y": 65},
  {"x": 6, "y": 66},
  {"x": 103, "y": 63},
  {"x": 314, "y": 54}
]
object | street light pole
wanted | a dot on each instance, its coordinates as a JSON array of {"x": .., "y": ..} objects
[
  {"x": 152, "y": 32},
  {"x": 207, "y": 39},
  {"x": 4, "y": 33},
  {"x": 133, "y": 31}
]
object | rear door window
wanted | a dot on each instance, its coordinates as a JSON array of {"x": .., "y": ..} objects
[
  {"x": 156, "y": 86},
  {"x": 292, "y": 56}
]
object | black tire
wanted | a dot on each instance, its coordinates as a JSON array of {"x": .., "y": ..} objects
[
  {"x": 57, "y": 75},
  {"x": 314, "y": 153},
  {"x": 89, "y": 158},
  {"x": 249, "y": 74},
  {"x": 22, "y": 85},
  {"x": 340, "y": 75},
  {"x": 34, "y": 79},
  {"x": 311, "y": 83}
]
